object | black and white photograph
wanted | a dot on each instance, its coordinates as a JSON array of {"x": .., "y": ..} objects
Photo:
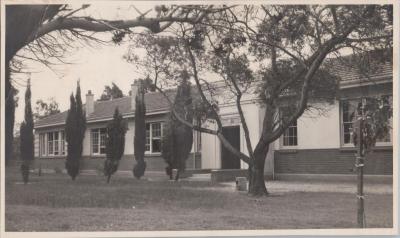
[{"x": 179, "y": 118}]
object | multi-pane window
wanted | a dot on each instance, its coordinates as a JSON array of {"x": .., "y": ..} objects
[
  {"x": 42, "y": 144},
  {"x": 387, "y": 138},
  {"x": 147, "y": 145},
  {"x": 153, "y": 137},
  {"x": 55, "y": 143},
  {"x": 50, "y": 148},
  {"x": 62, "y": 143},
  {"x": 289, "y": 137},
  {"x": 99, "y": 136},
  {"x": 349, "y": 115}
]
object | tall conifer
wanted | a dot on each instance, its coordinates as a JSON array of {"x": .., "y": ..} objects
[
  {"x": 140, "y": 133},
  {"x": 75, "y": 132},
  {"x": 115, "y": 144},
  {"x": 26, "y": 135}
]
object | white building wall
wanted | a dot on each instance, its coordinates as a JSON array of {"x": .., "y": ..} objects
[
  {"x": 315, "y": 131},
  {"x": 86, "y": 141},
  {"x": 130, "y": 133},
  {"x": 211, "y": 146},
  {"x": 320, "y": 131}
]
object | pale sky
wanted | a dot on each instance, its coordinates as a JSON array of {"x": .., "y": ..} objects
[{"x": 95, "y": 67}]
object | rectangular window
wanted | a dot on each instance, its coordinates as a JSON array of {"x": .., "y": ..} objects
[
  {"x": 56, "y": 143},
  {"x": 289, "y": 137},
  {"x": 147, "y": 146},
  {"x": 62, "y": 143},
  {"x": 156, "y": 137},
  {"x": 387, "y": 138},
  {"x": 349, "y": 115},
  {"x": 99, "y": 136},
  {"x": 103, "y": 137},
  {"x": 50, "y": 149},
  {"x": 42, "y": 144},
  {"x": 153, "y": 137}
]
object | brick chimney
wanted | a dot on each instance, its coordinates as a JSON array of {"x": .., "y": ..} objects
[{"x": 89, "y": 103}]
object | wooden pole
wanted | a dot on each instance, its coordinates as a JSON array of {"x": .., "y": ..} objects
[
  {"x": 360, "y": 177},
  {"x": 360, "y": 167}
]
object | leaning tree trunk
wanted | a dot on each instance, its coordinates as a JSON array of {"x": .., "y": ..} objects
[{"x": 256, "y": 174}]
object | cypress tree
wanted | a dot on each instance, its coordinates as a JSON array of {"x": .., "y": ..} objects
[
  {"x": 115, "y": 144},
  {"x": 26, "y": 136},
  {"x": 75, "y": 132},
  {"x": 178, "y": 138},
  {"x": 81, "y": 120},
  {"x": 72, "y": 165},
  {"x": 140, "y": 133},
  {"x": 167, "y": 147}
]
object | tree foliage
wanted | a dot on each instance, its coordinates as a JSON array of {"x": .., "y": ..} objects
[
  {"x": 115, "y": 144},
  {"x": 110, "y": 93},
  {"x": 376, "y": 113},
  {"x": 45, "y": 33},
  {"x": 279, "y": 51},
  {"x": 139, "y": 141},
  {"x": 75, "y": 127},
  {"x": 26, "y": 136},
  {"x": 44, "y": 109},
  {"x": 178, "y": 138}
]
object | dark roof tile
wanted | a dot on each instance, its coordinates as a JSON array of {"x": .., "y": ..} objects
[{"x": 155, "y": 102}]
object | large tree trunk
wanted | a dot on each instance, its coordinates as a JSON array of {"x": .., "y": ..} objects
[{"x": 256, "y": 174}]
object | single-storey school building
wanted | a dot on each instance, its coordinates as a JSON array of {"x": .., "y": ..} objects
[{"x": 315, "y": 144}]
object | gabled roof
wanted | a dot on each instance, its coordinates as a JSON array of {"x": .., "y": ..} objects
[
  {"x": 372, "y": 66},
  {"x": 104, "y": 110}
]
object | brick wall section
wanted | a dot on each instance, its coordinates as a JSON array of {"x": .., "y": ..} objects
[
  {"x": 332, "y": 161},
  {"x": 154, "y": 163}
]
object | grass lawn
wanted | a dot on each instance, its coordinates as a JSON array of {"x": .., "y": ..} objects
[{"x": 55, "y": 203}]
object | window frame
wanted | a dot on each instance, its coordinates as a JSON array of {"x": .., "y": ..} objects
[
  {"x": 56, "y": 147},
  {"x": 101, "y": 133},
  {"x": 286, "y": 135},
  {"x": 282, "y": 137},
  {"x": 42, "y": 144},
  {"x": 342, "y": 123},
  {"x": 351, "y": 145},
  {"x": 150, "y": 137}
]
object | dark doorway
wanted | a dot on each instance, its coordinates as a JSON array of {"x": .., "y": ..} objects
[{"x": 228, "y": 159}]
